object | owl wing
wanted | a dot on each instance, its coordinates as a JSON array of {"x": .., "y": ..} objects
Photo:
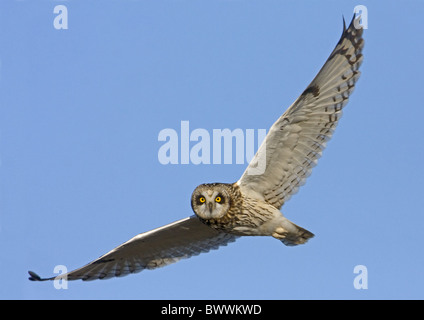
[
  {"x": 153, "y": 249},
  {"x": 296, "y": 140}
]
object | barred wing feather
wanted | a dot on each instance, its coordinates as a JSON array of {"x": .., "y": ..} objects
[
  {"x": 296, "y": 140},
  {"x": 153, "y": 249}
]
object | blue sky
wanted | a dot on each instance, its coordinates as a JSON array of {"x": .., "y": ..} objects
[{"x": 80, "y": 114}]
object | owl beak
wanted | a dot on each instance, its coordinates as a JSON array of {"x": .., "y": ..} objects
[{"x": 210, "y": 207}]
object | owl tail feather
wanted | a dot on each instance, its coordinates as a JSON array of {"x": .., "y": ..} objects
[
  {"x": 291, "y": 234},
  {"x": 301, "y": 237}
]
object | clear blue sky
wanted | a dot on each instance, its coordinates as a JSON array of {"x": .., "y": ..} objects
[{"x": 80, "y": 114}]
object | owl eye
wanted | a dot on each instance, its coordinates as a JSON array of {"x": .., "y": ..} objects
[
  {"x": 202, "y": 199},
  {"x": 218, "y": 199}
]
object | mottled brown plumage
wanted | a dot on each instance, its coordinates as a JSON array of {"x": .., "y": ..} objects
[{"x": 242, "y": 215}]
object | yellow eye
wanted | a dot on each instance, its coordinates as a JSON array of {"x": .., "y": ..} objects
[
  {"x": 218, "y": 199},
  {"x": 202, "y": 199}
]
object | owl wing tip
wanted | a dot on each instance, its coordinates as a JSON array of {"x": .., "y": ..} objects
[{"x": 34, "y": 276}]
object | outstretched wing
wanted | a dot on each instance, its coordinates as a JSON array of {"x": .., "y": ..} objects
[
  {"x": 153, "y": 249},
  {"x": 296, "y": 140}
]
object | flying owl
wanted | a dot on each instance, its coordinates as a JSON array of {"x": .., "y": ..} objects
[{"x": 251, "y": 206}]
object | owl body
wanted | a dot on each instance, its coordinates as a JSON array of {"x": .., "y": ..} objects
[{"x": 229, "y": 208}]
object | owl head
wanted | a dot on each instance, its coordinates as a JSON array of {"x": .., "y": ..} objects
[{"x": 211, "y": 200}]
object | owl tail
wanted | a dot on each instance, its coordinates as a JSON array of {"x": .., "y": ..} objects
[{"x": 291, "y": 234}]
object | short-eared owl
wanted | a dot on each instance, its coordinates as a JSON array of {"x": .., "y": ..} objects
[{"x": 251, "y": 206}]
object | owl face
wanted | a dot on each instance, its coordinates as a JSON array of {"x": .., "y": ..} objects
[{"x": 210, "y": 201}]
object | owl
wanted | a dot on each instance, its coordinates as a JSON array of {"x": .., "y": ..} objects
[{"x": 251, "y": 206}]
